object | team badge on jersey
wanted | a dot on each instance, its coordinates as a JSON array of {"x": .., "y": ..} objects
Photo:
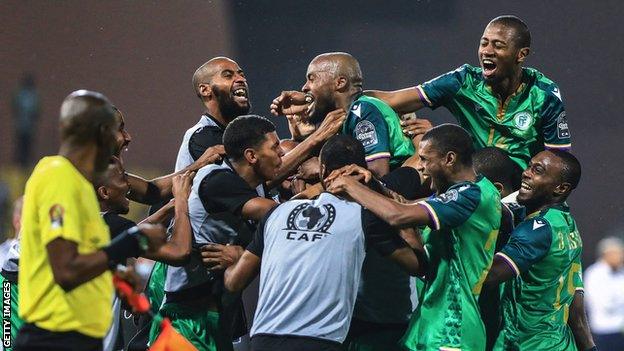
[
  {"x": 562, "y": 126},
  {"x": 308, "y": 218},
  {"x": 523, "y": 120},
  {"x": 366, "y": 133},
  {"x": 56, "y": 216},
  {"x": 451, "y": 195}
]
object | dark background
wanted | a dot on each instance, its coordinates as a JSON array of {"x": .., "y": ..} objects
[{"x": 142, "y": 55}]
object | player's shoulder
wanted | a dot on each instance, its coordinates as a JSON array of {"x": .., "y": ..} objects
[
  {"x": 557, "y": 215},
  {"x": 53, "y": 168},
  {"x": 461, "y": 192},
  {"x": 542, "y": 84},
  {"x": 369, "y": 107},
  {"x": 536, "y": 227}
]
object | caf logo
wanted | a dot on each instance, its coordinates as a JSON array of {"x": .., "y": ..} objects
[
  {"x": 307, "y": 218},
  {"x": 523, "y": 120}
]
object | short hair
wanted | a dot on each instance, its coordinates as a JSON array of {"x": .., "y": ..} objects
[
  {"x": 497, "y": 166},
  {"x": 83, "y": 114},
  {"x": 609, "y": 242},
  {"x": 522, "y": 38},
  {"x": 343, "y": 64},
  {"x": 342, "y": 150},
  {"x": 450, "y": 137},
  {"x": 245, "y": 132},
  {"x": 571, "y": 170}
]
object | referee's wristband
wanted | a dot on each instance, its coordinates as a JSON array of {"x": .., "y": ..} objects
[{"x": 130, "y": 243}]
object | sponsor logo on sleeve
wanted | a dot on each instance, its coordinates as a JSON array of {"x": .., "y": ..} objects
[
  {"x": 448, "y": 196},
  {"x": 562, "y": 126},
  {"x": 309, "y": 223},
  {"x": 56, "y": 216},
  {"x": 538, "y": 223},
  {"x": 366, "y": 133},
  {"x": 523, "y": 120},
  {"x": 556, "y": 92}
]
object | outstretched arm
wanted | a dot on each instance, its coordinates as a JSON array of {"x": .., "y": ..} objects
[
  {"x": 158, "y": 189},
  {"x": 403, "y": 101}
]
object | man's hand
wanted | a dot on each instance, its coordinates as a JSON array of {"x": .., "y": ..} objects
[
  {"x": 299, "y": 127},
  {"x": 341, "y": 184},
  {"x": 291, "y": 103},
  {"x": 181, "y": 185},
  {"x": 210, "y": 156},
  {"x": 415, "y": 126},
  {"x": 129, "y": 275},
  {"x": 155, "y": 234},
  {"x": 350, "y": 170},
  {"x": 220, "y": 257},
  {"x": 309, "y": 170},
  {"x": 331, "y": 124}
]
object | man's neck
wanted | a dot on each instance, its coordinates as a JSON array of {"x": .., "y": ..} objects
[
  {"x": 215, "y": 113},
  {"x": 540, "y": 207},
  {"x": 345, "y": 100},
  {"x": 246, "y": 171},
  {"x": 465, "y": 174},
  {"x": 81, "y": 157},
  {"x": 507, "y": 86}
]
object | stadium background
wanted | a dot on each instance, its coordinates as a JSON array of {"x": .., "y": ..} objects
[{"x": 142, "y": 55}]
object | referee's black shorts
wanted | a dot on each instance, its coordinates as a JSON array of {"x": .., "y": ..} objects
[{"x": 32, "y": 338}]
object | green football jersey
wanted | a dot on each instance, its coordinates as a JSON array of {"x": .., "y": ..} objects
[
  {"x": 378, "y": 128},
  {"x": 545, "y": 253},
  {"x": 460, "y": 247},
  {"x": 530, "y": 120}
]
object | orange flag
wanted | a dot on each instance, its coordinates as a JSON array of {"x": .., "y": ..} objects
[{"x": 171, "y": 340}]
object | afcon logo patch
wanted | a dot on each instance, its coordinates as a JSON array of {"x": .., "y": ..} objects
[
  {"x": 56, "y": 216},
  {"x": 562, "y": 126},
  {"x": 365, "y": 133},
  {"x": 308, "y": 218},
  {"x": 523, "y": 120}
]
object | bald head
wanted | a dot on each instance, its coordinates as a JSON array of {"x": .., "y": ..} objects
[
  {"x": 340, "y": 64},
  {"x": 84, "y": 114},
  {"x": 206, "y": 71}
]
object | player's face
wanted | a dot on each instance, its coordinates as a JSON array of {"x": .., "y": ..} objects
[
  {"x": 269, "y": 155},
  {"x": 107, "y": 145},
  {"x": 431, "y": 166},
  {"x": 498, "y": 55},
  {"x": 117, "y": 188},
  {"x": 230, "y": 88},
  {"x": 539, "y": 180},
  {"x": 122, "y": 137},
  {"x": 320, "y": 83}
]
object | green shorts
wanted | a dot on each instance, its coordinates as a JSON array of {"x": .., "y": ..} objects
[
  {"x": 155, "y": 289},
  {"x": 14, "y": 318},
  {"x": 198, "y": 325}
]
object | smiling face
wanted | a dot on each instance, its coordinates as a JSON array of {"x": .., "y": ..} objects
[
  {"x": 498, "y": 53},
  {"x": 122, "y": 137},
  {"x": 115, "y": 189},
  {"x": 268, "y": 156},
  {"x": 432, "y": 166},
  {"x": 320, "y": 83},
  {"x": 541, "y": 181},
  {"x": 229, "y": 87}
]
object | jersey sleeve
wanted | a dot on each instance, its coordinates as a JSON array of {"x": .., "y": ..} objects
[
  {"x": 440, "y": 90},
  {"x": 556, "y": 132},
  {"x": 454, "y": 207},
  {"x": 256, "y": 246},
  {"x": 380, "y": 235},
  {"x": 202, "y": 139},
  {"x": 225, "y": 191},
  {"x": 371, "y": 130},
  {"x": 528, "y": 244},
  {"x": 577, "y": 278},
  {"x": 59, "y": 209}
]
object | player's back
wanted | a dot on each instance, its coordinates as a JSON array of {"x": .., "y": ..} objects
[
  {"x": 536, "y": 304},
  {"x": 311, "y": 264}
]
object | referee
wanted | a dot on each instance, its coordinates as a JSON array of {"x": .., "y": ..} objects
[{"x": 65, "y": 284}]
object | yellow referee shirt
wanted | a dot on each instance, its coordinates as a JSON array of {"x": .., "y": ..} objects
[{"x": 60, "y": 202}]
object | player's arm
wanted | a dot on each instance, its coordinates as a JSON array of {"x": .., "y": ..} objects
[
  {"x": 329, "y": 127},
  {"x": 578, "y": 323},
  {"x": 158, "y": 189},
  {"x": 164, "y": 214},
  {"x": 177, "y": 250},
  {"x": 555, "y": 130},
  {"x": 239, "y": 275},
  {"x": 403, "y": 101},
  {"x": 529, "y": 243}
]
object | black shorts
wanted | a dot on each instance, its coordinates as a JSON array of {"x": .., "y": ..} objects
[
  {"x": 32, "y": 338},
  {"x": 265, "y": 342}
]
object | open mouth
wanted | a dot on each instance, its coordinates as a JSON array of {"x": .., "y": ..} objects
[
  {"x": 489, "y": 67},
  {"x": 525, "y": 186},
  {"x": 240, "y": 94}
]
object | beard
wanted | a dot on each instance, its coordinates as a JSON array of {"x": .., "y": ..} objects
[
  {"x": 228, "y": 107},
  {"x": 322, "y": 106}
]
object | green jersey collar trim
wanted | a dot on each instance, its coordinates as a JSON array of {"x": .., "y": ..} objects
[{"x": 561, "y": 206}]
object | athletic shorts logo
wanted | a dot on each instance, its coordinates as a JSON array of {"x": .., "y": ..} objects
[
  {"x": 366, "y": 134},
  {"x": 562, "y": 126},
  {"x": 308, "y": 218},
  {"x": 56, "y": 216},
  {"x": 523, "y": 120},
  {"x": 448, "y": 196}
]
